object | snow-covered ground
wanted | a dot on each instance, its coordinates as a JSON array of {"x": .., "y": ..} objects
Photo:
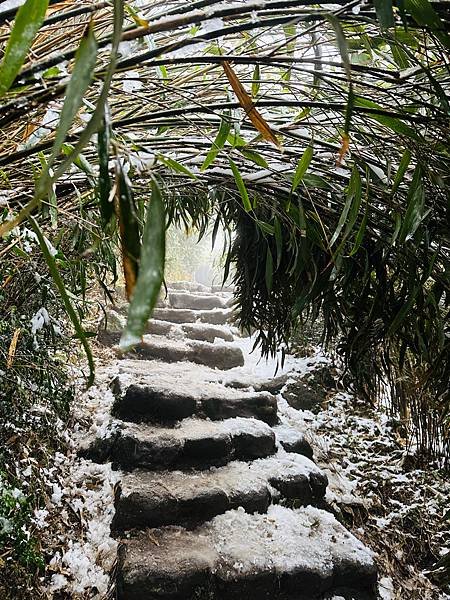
[{"x": 357, "y": 448}]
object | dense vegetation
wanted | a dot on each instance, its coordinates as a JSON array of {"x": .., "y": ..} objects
[{"x": 316, "y": 137}]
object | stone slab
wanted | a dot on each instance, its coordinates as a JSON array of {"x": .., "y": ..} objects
[
  {"x": 149, "y": 499},
  {"x": 286, "y": 554}
]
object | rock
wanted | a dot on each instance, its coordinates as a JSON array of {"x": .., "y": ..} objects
[
  {"x": 157, "y": 568},
  {"x": 302, "y": 397},
  {"x": 157, "y": 327},
  {"x": 195, "y": 301},
  {"x": 218, "y": 356},
  {"x": 293, "y": 440},
  {"x": 161, "y": 399},
  {"x": 174, "y": 315},
  {"x": 194, "y": 443},
  {"x": 285, "y": 554},
  {"x": 207, "y": 333},
  {"x": 215, "y": 317},
  {"x": 190, "y": 286},
  {"x": 144, "y": 403},
  {"x": 149, "y": 499}
]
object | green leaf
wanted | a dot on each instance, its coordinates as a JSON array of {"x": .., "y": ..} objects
[
  {"x": 256, "y": 81},
  {"x": 396, "y": 125},
  {"x": 129, "y": 229},
  {"x": 403, "y": 166},
  {"x": 176, "y": 166},
  {"x": 384, "y": 12},
  {"x": 104, "y": 180},
  {"x": 151, "y": 271},
  {"x": 65, "y": 298},
  {"x": 353, "y": 201},
  {"x": 219, "y": 142},
  {"x": 80, "y": 161},
  {"x": 360, "y": 234},
  {"x": 424, "y": 14},
  {"x": 415, "y": 210},
  {"x": 254, "y": 157},
  {"x": 266, "y": 227},
  {"x": 278, "y": 240},
  {"x": 269, "y": 270},
  {"x": 80, "y": 80},
  {"x": 302, "y": 167},
  {"x": 241, "y": 186},
  {"x": 311, "y": 180},
  {"x": 27, "y": 23}
]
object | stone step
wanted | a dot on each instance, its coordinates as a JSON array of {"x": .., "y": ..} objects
[
  {"x": 194, "y": 443},
  {"x": 197, "y": 372},
  {"x": 215, "y": 316},
  {"x": 149, "y": 397},
  {"x": 286, "y": 554},
  {"x": 175, "y": 315},
  {"x": 207, "y": 333},
  {"x": 190, "y": 286},
  {"x": 195, "y": 301},
  {"x": 112, "y": 326},
  {"x": 217, "y": 356},
  {"x": 149, "y": 499}
]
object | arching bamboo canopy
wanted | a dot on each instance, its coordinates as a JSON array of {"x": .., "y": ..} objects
[{"x": 315, "y": 134}]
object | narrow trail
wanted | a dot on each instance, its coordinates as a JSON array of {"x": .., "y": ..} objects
[{"x": 217, "y": 499}]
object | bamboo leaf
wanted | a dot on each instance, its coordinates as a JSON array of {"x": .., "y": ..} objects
[
  {"x": 302, "y": 167},
  {"x": 424, "y": 14},
  {"x": 403, "y": 166},
  {"x": 104, "y": 180},
  {"x": 27, "y": 23},
  {"x": 151, "y": 271},
  {"x": 415, "y": 210},
  {"x": 247, "y": 104},
  {"x": 256, "y": 80},
  {"x": 353, "y": 193},
  {"x": 80, "y": 80},
  {"x": 219, "y": 142},
  {"x": 241, "y": 186},
  {"x": 176, "y": 166},
  {"x": 385, "y": 13},
  {"x": 392, "y": 123},
  {"x": 278, "y": 240},
  {"x": 65, "y": 298},
  {"x": 254, "y": 157},
  {"x": 360, "y": 234},
  {"x": 266, "y": 227},
  {"x": 129, "y": 229},
  {"x": 269, "y": 270}
]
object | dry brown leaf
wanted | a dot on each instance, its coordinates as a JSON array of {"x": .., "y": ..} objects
[
  {"x": 343, "y": 149},
  {"x": 12, "y": 348},
  {"x": 247, "y": 104}
]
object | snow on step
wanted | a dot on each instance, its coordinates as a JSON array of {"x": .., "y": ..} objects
[
  {"x": 148, "y": 499},
  {"x": 112, "y": 326},
  {"x": 145, "y": 397},
  {"x": 207, "y": 333},
  {"x": 193, "y": 443},
  {"x": 293, "y": 440},
  {"x": 195, "y": 301},
  {"x": 285, "y": 554},
  {"x": 192, "y": 331},
  {"x": 190, "y": 286},
  {"x": 219, "y": 355}
]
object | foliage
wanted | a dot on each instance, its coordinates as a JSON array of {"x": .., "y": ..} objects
[
  {"x": 35, "y": 394},
  {"x": 330, "y": 179}
]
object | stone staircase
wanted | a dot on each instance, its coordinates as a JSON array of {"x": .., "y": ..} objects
[{"x": 216, "y": 500}]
